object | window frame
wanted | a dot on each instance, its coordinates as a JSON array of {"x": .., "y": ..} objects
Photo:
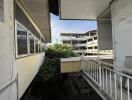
[
  {"x": 2, "y": 21},
  {"x": 28, "y": 42},
  {"x": 16, "y": 43},
  {"x": 35, "y": 38},
  {"x": 39, "y": 48}
]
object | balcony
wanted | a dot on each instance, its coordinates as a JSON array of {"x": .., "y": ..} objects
[
  {"x": 106, "y": 52},
  {"x": 79, "y": 51},
  {"x": 94, "y": 42},
  {"x": 110, "y": 84},
  {"x": 92, "y": 51},
  {"x": 65, "y": 38}
]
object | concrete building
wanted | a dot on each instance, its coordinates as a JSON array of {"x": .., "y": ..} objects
[
  {"x": 78, "y": 41},
  {"x": 92, "y": 44},
  {"x": 84, "y": 43},
  {"x": 24, "y": 30},
  {"x": 25, "y": 27}
]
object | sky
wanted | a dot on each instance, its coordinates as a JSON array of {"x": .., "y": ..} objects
[{"x": 69, "y": 26}]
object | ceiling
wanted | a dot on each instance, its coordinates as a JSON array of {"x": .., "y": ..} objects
[
  {"x": 38, "y": 10},
  {"x": 82, "y": 9},
  {"x": 54, "y": 7}
]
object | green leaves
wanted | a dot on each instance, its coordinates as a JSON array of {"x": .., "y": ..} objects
[
  {"x": 51, "y": 65},
  {"x": 59, "y": 51}
]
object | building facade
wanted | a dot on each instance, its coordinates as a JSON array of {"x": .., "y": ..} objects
[
  {"x": 78, "y": 41},
  {"x": 84, "y": 43},
  {"x": 24, "y": 30},
  {"x": 114, "y": 21},
  {"x": 92, "y": 44}
]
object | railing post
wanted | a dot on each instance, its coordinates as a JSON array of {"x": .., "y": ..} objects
[
  {"x": 128, "y": 89},
  {"x": 100, "y": 77},
  {"x": 110, "y": 84},
  {"x": 106, "y": 80},
  {"x": 81, "y": 59},
  {"x": 121, "y": 86},
  {"x": 115, "y": 76},
  {"x": 103, "y": 77}
]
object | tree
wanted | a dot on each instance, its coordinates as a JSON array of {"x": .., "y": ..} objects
[
  {"x": 60, "y": 51},
  {"x": 51, "y": 65},
  {"x": 49, "y": 81}
]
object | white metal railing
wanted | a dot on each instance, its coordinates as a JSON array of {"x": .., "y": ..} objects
[
  {"x": 115, "y": 84},
  {"x": 92, "y": 50},
  {"x": 68, "y": 38},
  {"x": 92, "y": 42}
]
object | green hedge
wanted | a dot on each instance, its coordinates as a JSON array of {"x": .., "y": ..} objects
[{"x": 51, "y": 65}]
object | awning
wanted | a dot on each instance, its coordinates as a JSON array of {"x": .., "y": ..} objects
[
  {"x": 39, "y": 11},
  {"x": 82, "y": 9}
]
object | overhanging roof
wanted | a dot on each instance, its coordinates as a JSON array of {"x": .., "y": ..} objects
[
  {"x": 82, "y": 9},
  {"x": 39, "y": 11},
  {"x": 54, "y": 7}
]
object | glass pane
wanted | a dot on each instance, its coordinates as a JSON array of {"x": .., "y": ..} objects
[
  {"x": 39, "y": 47},
  {"x": 2, "y": 10},
  {"x": 31, "y": 41},
  {"x": 21, "y": 40},
  {"x": 36, "y": 46},
  {"x": 43, "y": 47}
]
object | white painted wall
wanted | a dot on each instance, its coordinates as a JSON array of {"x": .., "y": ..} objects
[
  {"x": 27, "y": 69},
  {"x": 104, "y": 35},
  {"x": 122, "y": 30},
  {"x": 82, "y": 9},
  {"x": 7, "y": 57}
]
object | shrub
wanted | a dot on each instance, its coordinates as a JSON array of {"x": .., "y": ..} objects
[
  {"x": 59, "y": 51},
  {"x": 51, "y": 65}
]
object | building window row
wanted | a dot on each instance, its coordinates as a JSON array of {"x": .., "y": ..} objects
[
  {"x": 95, "y": 38},
  {"x": 26, "y": 42},
  {"x": 1, "y": 10}
]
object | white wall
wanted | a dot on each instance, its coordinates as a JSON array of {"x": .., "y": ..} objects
[
  {"x": 27, "y": 68},
  {"x": 122, "y": 30},
  {"x": 7, "y": 58},
  {"x": 104, "y": 34}
]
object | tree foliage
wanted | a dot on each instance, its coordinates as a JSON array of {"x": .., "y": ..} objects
[
  {"x": 59, "y": 51},
  {"x": 48, "y": 84},
  {"x": 51, "y": 65}
]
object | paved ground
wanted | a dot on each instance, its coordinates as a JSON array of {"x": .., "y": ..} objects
[
  {"x": 81, "y": 90},
  {"x": 72, "y": 87}
]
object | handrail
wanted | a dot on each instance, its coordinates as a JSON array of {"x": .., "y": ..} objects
[
  {"x": 108, "y": 64},
  {"x": 8, "y": 84},
  {"x": 106, "y": 78}
]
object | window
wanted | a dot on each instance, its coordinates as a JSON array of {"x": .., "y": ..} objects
[
  {"x": 43, "y": 47},
  {"x": 95, "y": 47},
  {"x": 66, "y": 42},
  {"x": 90, "y": 47},
  {"x": 95, "y": 38},
  {"x": 31, "y": 43},
  {"x": 36, "y": 45},
  {"x": 21, "y": 40},
  {"x": 2, "y": 10},
  {"x": 39, "y": 46},
  {"x": 81, "y": 42},
  {"x": 26, "y": 42},
  {"x": 82, "y": 48},
  {"x": 90, "y": 40}
]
